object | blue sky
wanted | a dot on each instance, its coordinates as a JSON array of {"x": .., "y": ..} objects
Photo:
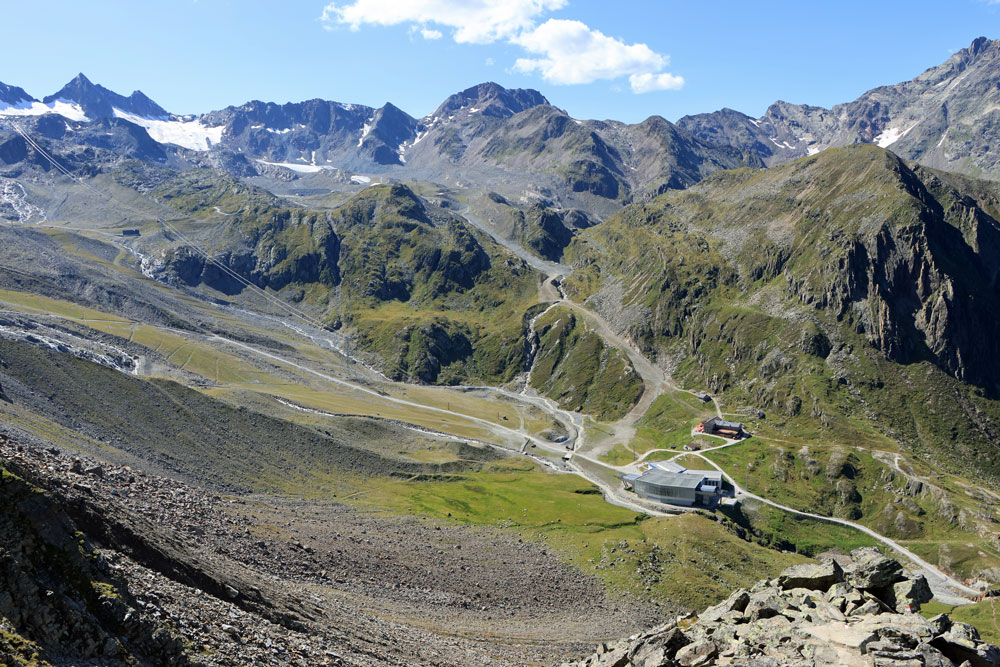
[{"x": 596, "y": 59}]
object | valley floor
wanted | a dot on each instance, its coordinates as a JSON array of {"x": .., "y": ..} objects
[{"x": 332, "y": 583}]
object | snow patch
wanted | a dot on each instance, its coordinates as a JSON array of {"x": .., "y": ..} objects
[
  {"x": 781, "y": 144},
  {"x": 890, "y": 136},
  {"x": 284, "y": 131},
  {"x": 360, "y": 180},
  {"x": 943, "y": 137},
  {"x": 186, "y": 134},
  {"x": 420, "y": 136},
  {"x": 366, "y": 130},
  {"x": 301, "y": 168},
  {"x": 812, "y": 150},
  {"x": 755, "y": 123},
  {"x": 65, "y": 108}
]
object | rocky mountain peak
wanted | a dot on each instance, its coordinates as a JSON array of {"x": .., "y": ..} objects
[
  {"x": 492, "y": 100},
  {"x": 979, "y": 46},
  {"x": 13, "y": 95},
  {"x": 100, "y": 102}
]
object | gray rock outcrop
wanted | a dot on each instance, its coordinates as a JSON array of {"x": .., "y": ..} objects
[{"x": 813, "y": 614}]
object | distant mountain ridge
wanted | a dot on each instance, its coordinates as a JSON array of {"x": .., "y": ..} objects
[
  {"x": 945, "y": 118},
  {"x": 99, "y": 102}
]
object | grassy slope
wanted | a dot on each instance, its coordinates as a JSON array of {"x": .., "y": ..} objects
[
  {"x": 935, "y": 519},
  {"x": 742, "y": 283},
  {"x": 575, "y": 367},
  {"x": 436, "y": 301},
  {"x": 690, "y": 560},
  {"x": 187, "y": 432},
  {"x": 752, "y": 284}
]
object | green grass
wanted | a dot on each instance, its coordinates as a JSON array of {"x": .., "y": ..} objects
[
  {"x": 852, "y": 484},
  {"x": 983, "y": 615},
  {"x": 778, "y": 529},
  {"x": 691, "y": 560},
  {"x": 668, "y": 422},
  {"x": 755, "y": 285},
  {"x": 577, "y": 369}
]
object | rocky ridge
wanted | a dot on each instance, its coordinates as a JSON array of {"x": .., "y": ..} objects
[
  {"x": 944, "y": 118},
  {"x": 844, "y": 611}
]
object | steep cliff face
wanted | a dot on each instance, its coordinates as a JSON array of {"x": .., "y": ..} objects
[
  {"x": 920, "y": 284},
  {"x": 832, "y": 286}
]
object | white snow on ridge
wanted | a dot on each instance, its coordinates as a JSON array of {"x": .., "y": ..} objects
[
  {"x": 65, "y": 108},
  {"x": 274, "y": 131},
  {"x": 301, "y": 168},
  {"x": 890, "y": 136},
  {"x": 366, "y": 130},
  {"x": 812, "y": 150},
  {"x": 941, "y": 140},
  {"x": 361, "y": 180},
  {"x": 783, "y": 144},
  {"x": 186, "y": 134}
]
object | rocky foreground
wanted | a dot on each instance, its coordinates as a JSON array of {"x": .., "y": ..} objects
[{"x": 843, "y": 612}]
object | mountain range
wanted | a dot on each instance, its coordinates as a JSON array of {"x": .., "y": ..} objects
[
  {"x": 518, "y": 142},
  {"x": 323, "y": 383}
]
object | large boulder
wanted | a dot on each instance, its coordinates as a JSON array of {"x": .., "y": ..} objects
[
  {"x": 908, "y": 595},
  {"x": 765, "y": 604},
  {"x": 814, "y": 576},
  {"x": 701, "y": 652},
  {"x": 869, "y": 569},
  {"x": 737, "y": 602},
  {"x": 658, "y": 648},
  {"x": 961, "y": 643}
]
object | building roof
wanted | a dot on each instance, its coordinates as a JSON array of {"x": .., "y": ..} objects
[
  {"x": 669, "y": 466},
  {"x": 719, "y": 422},
  {"x": 680, "y": 480}
]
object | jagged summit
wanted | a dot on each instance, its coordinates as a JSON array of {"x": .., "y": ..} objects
[
  {"x": 100, "y": 102},
  {"x": 13, "y": 96},
  {"x": 942, "y": 118},
  {"x": 492, "y": 99}
]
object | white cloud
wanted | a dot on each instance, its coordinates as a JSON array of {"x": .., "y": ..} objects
[
  {"x": 571, "y": 52},
  {"x": 647, "y": 82},
  {"x": 565, "y": 51},
  {"x": 474, "y": 21}
]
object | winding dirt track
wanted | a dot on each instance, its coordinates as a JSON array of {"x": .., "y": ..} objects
[{"x": 655, "y": 382}]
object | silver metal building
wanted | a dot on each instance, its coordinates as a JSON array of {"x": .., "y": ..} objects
[{"x": 679, "y": 487}]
